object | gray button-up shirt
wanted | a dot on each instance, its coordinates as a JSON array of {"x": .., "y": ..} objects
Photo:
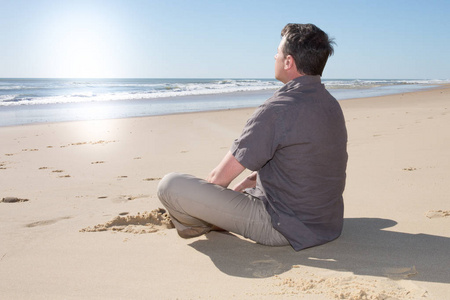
[{"x": 297, "y": 141}]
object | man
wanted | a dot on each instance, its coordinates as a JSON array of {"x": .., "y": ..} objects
[{"x": 295, "y": 143}]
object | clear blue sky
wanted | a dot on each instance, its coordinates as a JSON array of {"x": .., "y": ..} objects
[{"x": 218, "y": 39}]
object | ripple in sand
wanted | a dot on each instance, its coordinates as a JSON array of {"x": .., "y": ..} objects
[
  {"x": 345, "y": 286},
  {"x": 400, "y": 273},
  {"x": 148, "y": 222},
  {"x": 86, "y": 143},
  {"x": 47, "y": 222}
]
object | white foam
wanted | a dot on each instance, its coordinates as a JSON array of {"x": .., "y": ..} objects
[
  {"x": 47, "y": 91},
  {"x": 155, "y": 91}
]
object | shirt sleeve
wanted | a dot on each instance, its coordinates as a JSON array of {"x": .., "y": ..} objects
[{"x": 259, "y": 139}]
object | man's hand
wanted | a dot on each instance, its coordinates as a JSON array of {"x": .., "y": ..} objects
[{"x": 248, "y": 182}]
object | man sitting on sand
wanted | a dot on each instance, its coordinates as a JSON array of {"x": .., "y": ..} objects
[{"x": 295, "y": 143}]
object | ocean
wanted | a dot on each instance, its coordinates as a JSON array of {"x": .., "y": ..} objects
[{"x": 27, "y": 101}]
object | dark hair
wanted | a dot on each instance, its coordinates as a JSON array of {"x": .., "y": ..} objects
[{"x": 309, "y": 46}]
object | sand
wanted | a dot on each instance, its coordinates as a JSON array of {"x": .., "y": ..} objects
[{"x": 79, "y": 214}]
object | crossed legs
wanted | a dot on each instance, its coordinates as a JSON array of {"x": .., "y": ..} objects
[{"x": 196, "y": 207}]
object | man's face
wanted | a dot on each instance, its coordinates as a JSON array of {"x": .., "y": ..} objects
[{"x": 279, "y": 62}]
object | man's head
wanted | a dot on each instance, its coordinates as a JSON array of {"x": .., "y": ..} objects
[{"x": 304, "y": 45}]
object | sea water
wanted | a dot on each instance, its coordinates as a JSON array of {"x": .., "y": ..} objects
[{"x": 25, "y": 101}]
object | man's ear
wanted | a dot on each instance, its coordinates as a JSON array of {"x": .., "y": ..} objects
[{"x": 289, "y": 62}]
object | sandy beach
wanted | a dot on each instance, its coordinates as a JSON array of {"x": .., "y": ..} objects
[{"x": 76, "y": 219}]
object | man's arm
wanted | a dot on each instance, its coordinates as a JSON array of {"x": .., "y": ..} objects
[
  {"x": 227, "y": 170},
  {"x": 248, "y": 182}
]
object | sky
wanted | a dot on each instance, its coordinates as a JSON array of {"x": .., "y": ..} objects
[{"x": 218, "y": 38}]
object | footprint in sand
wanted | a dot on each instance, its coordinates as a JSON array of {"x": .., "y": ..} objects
[
  {"x": 148, "y": 222},
  {"x": 432, "y": 214},
  {"x": 13, "y": 200},
  {"x": 124, "y": 198},
  {"x": 152, "y": 178},
  {"x": 409, "y": 169},
  {"x": 58, "y": 171}
]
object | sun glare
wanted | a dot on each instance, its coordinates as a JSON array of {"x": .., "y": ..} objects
[
  {"x": 82, "y": 43},
  {"x": 82, "y": 53}
]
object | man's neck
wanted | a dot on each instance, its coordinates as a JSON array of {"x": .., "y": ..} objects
[{"x": 292, "y": 77}]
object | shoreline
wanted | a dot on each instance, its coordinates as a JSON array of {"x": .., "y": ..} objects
[
  {"x": 118, "y": 109},
  {"x": 77, "y": 175}
]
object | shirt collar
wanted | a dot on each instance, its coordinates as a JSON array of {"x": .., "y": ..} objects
[{"x": 301, "y": 81}]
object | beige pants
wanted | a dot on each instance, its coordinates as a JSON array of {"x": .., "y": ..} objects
[{"x": 195, "y": 206}]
